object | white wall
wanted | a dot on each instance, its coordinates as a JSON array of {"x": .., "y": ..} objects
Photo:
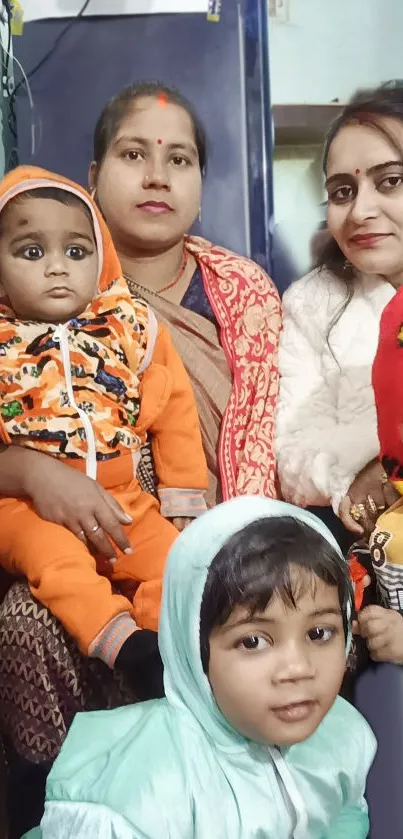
[
  {"x": 298, "y": 193},
  {"x": 37, "y": 9},
  {"x": 330, "y": 47},
  {"x": 326, "y": 51}
]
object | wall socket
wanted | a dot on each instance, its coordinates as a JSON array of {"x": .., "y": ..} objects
[{"x": 279, "y": 10}]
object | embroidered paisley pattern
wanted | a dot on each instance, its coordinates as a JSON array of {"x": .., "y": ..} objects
[{"x": 247, "y": 307}]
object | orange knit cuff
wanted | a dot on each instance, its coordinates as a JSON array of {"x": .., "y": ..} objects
[
  {"x": 111, "y": 638},
  {"x": 189, "y": 503}
]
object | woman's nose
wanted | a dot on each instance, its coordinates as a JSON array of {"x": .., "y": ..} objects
[
  {"x": 156, "y": 175},
  {"x": 365, "y": 204}
]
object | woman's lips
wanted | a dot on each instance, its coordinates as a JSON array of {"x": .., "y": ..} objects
[
  {"x": 155, "y": 207},
  {"x": 368, "y": 240}
]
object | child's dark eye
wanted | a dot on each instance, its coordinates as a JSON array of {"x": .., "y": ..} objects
[
  {"x": 32, "y": 252},
  {"x": 321, "y": 634},
  {"x": 253, "y": 642},
  {"x": 76, "y": 252}
]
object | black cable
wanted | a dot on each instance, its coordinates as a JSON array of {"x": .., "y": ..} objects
[
  {"x": 12, "y": 94},
  {"x": 54, "y": 47},
  {"x": 6, "y": 73},
  {"x": 6, "y": 59}
]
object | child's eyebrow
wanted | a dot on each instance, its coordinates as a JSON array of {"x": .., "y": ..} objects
[
  {"x": 28, "y": 234},
  {"x": 261, "y": 619},
  {"x": 320, "y": 613},
  {"x": 36, "y": 234},
  {"x": 75, "y": 235}
]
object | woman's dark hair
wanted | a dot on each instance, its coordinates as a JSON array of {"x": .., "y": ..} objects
[
  {"x": 367, "y": 107},
  {"x": 117, "y": 109},
  {"x": 255, "y": 563}
]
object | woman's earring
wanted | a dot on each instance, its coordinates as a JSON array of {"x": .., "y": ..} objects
[
  {"x": 200, "y": 215},
  {"x": 347, "y": 266}
]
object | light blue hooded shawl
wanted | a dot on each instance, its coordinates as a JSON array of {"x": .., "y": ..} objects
[{"x": 176, "y": 769}]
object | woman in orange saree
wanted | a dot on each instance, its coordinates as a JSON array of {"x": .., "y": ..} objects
[{"x": 224, "y": 315}]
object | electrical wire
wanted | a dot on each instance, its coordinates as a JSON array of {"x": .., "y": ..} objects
[
  {"x": 11, "y": 93},
  {"x": 30, "y": 99},
  {"x": 7, "y": 89},
  {"x": 53, "y": 49}
]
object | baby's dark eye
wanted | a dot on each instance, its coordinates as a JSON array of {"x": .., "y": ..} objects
[
  {"x": 32, "y": 252},
  {"x": 76, "y": 252}
]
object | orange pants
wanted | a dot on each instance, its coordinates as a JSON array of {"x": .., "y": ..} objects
[{"x": 62, "y": 572}]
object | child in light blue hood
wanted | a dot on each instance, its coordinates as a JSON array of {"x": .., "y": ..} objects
[{"x": 252, "y": 741}]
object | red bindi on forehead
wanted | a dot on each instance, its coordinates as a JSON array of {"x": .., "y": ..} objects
[
  {"x": 159, "y": 141},
  {"x": 357, "y": 171},
  {"x": 162, "y": 99}
]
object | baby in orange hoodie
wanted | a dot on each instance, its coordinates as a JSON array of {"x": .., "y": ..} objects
[{"x": 85, "y": 373}]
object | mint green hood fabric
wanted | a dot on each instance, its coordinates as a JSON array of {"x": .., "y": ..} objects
[
  {"x": 186, "y": 685},
  {"x": 176, "y": 769}
]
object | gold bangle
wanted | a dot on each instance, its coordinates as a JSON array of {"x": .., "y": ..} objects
[{"x": 373, "y": 509}]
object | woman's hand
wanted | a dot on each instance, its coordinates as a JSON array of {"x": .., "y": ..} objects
[
  {"x": 371, "y": 492},
  {"x": 64, "y": 496},
  {"x": 383, "y": 632}
]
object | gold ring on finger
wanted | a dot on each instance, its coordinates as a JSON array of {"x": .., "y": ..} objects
[
  {"x": 94, "y": 529},
  {"x": 357, "y": 512}
]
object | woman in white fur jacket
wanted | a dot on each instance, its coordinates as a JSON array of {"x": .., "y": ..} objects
[{"x": 327, "y": 443}]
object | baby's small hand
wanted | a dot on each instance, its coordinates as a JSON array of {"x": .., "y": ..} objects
[
  {"x": 383, "y": 632},
  {"x": 180, "y": 522}
]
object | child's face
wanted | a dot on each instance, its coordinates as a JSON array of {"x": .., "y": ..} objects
[
  {"x": 276, "y": 675},
  {"x": 48, "y": 259}
]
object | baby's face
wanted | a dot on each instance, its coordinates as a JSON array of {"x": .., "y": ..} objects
[
  {"x": 48, "y": 259},
  {"x": 274, "y": 676}
]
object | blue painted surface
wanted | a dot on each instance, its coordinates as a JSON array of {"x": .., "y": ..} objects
[
  {"x": 380, "y": 699},
  {"x": 258, "y": 116},
  {"x": 99, "y": 56},
  {"x": 223, "y": 68}
]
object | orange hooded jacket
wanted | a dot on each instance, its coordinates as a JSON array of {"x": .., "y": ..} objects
[{"x": 119, "y": 369}]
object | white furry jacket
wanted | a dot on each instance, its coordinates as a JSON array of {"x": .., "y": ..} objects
[{"x": 326, "y": 423}]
